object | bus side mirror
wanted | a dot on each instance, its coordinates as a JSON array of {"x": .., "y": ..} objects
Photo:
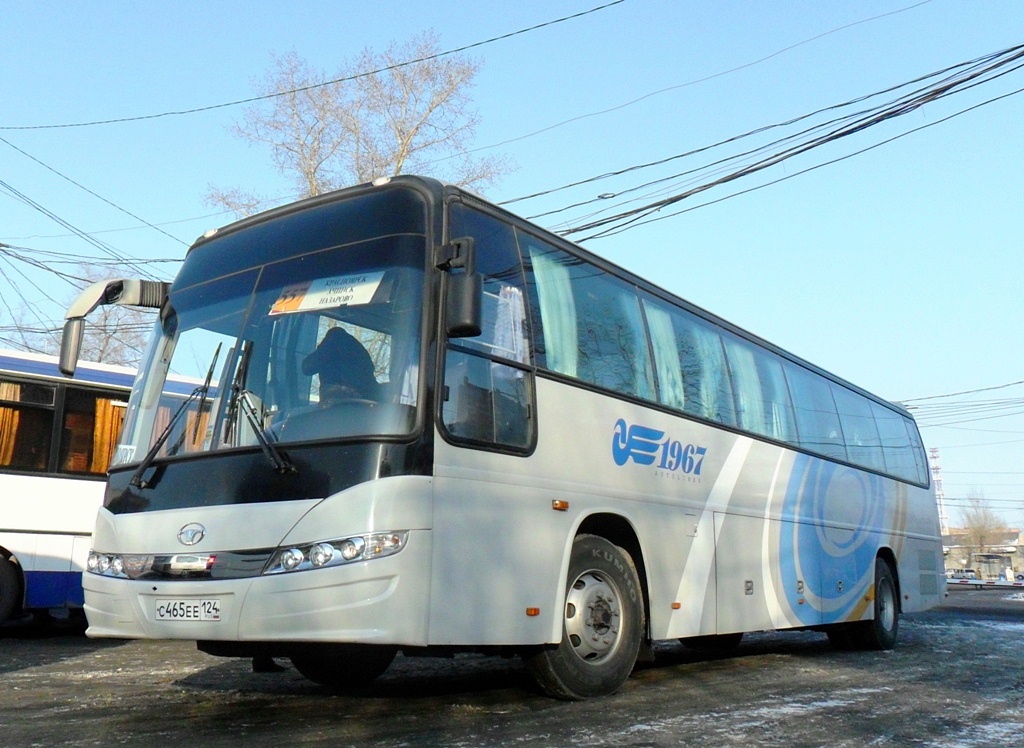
[
  {"x": 465, "y": 291},
  {"x": 70, "y": 345},
  {"x": 465, "y": 300}
]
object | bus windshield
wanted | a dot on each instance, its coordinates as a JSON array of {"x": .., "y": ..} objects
[{"x": 319, "y": 345}]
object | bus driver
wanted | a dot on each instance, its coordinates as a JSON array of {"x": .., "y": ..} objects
[{"x": 345, "y": 368}]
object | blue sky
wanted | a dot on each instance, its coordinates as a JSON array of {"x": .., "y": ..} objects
[{"x": 899, "y": 269}]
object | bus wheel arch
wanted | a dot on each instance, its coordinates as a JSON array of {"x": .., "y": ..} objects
[
  {"x": 603, "y": 624},
  {"x": 617, "y": 530},
  {"x": 886, "y": 554},
  {"x": 12, "y": 586}
]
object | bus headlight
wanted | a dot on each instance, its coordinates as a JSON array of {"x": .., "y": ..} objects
[
  {"x": 328, "y": 553},
  {"x": 119, "y": 566}
]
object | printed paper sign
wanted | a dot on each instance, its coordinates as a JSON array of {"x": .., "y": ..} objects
[{"x": 327, "y": 293}]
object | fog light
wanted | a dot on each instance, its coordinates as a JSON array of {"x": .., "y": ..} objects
[
  {"x": 321, "y": 554},
  {"x": 291, "y": 559},
  {"x": 352, "y": 548}
]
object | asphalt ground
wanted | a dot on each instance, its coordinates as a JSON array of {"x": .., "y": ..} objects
[{"x": 955, "y": 679}]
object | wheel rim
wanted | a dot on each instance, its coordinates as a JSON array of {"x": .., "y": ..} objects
[
  {"x": 886, "y": 604},
  {"x": 593, "y": 617}
]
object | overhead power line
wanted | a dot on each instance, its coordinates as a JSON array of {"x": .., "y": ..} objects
[
  {"x": 963, "y": 392},
  {"x": 102, "y": 246},
  {"x": 970, "y": 74},
  {"x": 253, "y": 99},
  {"x": 686, "y": 84},
  {"x": 86, "y": 189}
]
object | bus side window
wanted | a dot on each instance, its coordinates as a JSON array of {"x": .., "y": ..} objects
[
  {"x": 863, "y": 444},
  {"x": 26, "y": 425},
  {"x": 705, "y": 373},
  {"x": 897, "y": 450},
  {"x": 92, "y": 423},
  {"x": 592, "y": 325},
  {"x": 762, "y": 397},
  {"x": 488, "y": 393},
  {"x": 692, "y": 371},
  {"x": 817, "y": 420}
]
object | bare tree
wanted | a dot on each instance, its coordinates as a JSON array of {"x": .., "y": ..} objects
[
  {"x": 983, "y": 528},
  {"x": 326, "y": 132}
]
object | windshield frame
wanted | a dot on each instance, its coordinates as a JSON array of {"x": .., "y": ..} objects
[{"x": 161, "y": 344}]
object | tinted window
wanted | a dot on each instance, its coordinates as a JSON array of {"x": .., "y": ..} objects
[
  {"x": 816, "y": 418},
  {"x": 504, "y": 331},
  {"x": 762, "y": 397},
  {"x": 592, "y": 326},
  {"x": 897, "y": 449},
  {"x": 863, "y": 445},
  {"x": 487, "y": 401},
  {"x": 692, "y": 370}
]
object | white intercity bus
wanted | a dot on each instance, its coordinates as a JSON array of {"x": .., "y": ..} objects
[
  {"x": 56, "y": 439},
  {"x": 425, "y": 425}
]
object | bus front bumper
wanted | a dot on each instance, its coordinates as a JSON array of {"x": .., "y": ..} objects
[{"x": 379, "y": 601}]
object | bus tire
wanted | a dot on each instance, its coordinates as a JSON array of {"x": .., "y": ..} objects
[
  {"x": 881, "y": 631},
  {"x": 344, "y": 666},
  {"x": 602, "y": 625},
  {"x": 10, "y": 588}
]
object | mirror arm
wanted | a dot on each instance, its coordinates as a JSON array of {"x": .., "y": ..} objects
[{"x": 122, "y": 292}]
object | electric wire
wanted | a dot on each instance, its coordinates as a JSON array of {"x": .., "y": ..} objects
[
  {"x": 345, "y": 79},
  {"x": 639, "y": 216}
]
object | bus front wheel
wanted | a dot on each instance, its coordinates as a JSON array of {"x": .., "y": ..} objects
[
  {"x": 602, "y": 626},
  {"x": 10, "y": 588}
]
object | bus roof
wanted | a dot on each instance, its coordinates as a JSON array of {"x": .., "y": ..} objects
[{"x": 42, "y": 365}]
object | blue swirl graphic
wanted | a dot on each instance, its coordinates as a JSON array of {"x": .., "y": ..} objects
[{"x": 836, "y": 513}]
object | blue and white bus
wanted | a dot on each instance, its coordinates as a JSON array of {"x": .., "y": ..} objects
[
  {"x": 57, "y": 437},
  {"x": 440, "y": 428}
]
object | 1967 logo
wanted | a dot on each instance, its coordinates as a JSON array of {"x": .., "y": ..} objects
[{"x": 645, "y": 446}]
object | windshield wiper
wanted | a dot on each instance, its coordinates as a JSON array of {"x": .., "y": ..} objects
[
  {"x": 136, "y": 479},
  {"x": 240, "y": 399},
  {"x": 277, "y": 458},
  {"x": 202, "y": 395}
]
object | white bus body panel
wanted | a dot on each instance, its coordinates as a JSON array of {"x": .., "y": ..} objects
[
  {"x": 45, "y": 522},
  {"x": 763, "y": 538}
]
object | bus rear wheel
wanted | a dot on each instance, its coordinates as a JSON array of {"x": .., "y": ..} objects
[
  {"x": 881, "y": 631},
  {"x": 602, "y": 626},
  {"x": 344, "y": 666},
  {"x": 10, "y": 588}
]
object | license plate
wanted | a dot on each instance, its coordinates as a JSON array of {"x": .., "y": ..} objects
[{"x": 182, "y": 609}]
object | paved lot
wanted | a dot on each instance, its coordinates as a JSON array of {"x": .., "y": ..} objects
[{"x": 955, "y": 679}]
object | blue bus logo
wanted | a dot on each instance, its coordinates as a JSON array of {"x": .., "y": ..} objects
[{"x": 645, "y": 445}]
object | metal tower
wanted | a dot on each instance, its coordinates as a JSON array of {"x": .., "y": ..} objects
[{"x": 940, "y": 497}]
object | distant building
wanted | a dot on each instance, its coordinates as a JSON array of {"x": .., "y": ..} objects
[{"x": 1000, "y": 551}]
